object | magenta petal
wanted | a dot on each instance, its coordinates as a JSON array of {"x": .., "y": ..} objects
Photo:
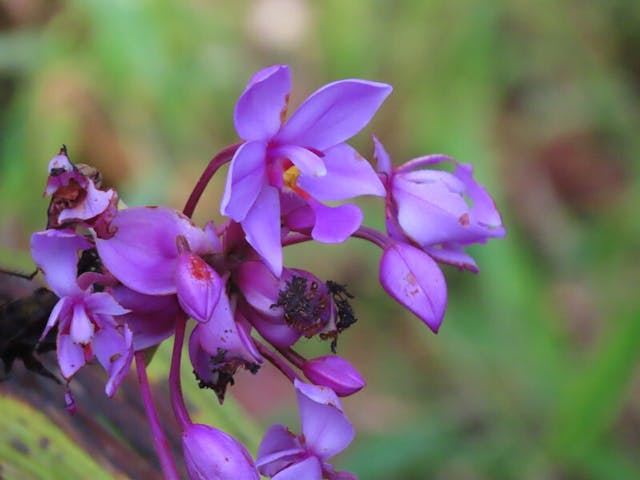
[
  {"x": 484, "y": 210},
  {"x": 333, "y": 114},
  {"x": 198, "y": 287},
  {"x": 114, "y": 350},
  {"x": 143, "y": 253},
  {"x": 56, "y": 254},
  {"x": 308, "y": 469},
  {"x": 70, "y": 356},
  {"x": 103, "y": 303},
  {"x": 335, "y": 224},
  {"x": 326, "y": 429},
  {"x": 273, "y": 330},
  {"x": 348, "y": 175},
  {"x": 261, "y": 108},
  {"x": 412, "y": 278},
  {"x": 247, "y": 175},
  {"x": 262, "y": 228}
]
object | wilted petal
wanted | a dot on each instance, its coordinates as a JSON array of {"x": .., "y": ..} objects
[
  {"x": 259, "y": 286},
  {"x": 56, "y": 254},
  {"x": 414, "y": 279},
  {"x": 262, "y": 228},
  {"x": 143, "y": 253},
  {"x": 211, "y": 454},
  {"x": 198, "y": 286},
  {"x": 484, "y": 210},
  {"x": 273, "y": 329},
  {"x": 246, "y": 177},
  {"x": 95, "y": 203},
  {"x": 334, "y": 224},
  {"x": 333, "y": 114},
  {"x": 261, "y": 108}
]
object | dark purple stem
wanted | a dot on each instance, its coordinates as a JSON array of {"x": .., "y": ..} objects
[
  {"x": 276, "y": 361},
  {"x": 175, "y": 386},
  {"x": 216, "y": 162},
  {"x": 159, "y": 439},
  {"x": 294, "y": 357}
]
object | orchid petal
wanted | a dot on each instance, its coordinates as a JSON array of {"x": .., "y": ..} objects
[
  {"x": 198, "y": 287},
  {"x": 56, "y": 254},
  {"x": 348, "y": 175},
  {"x": 382, "y": 157},
  {"x": 309, "y": 469},
  {"x": 82, "y": 328},
  {"x": 261, "y": 108},
  {"x": 308, "y": 163},
  {"x": 335, "y": 224},
  {"x": 247, "y": 175},
  {"x": 114, "y": 350},
  {"x": 333, "y": 114},
  {"x": 262, "y": 228},
  {"x": 412, "y": 278},
  {"x": 326, "y": 429},
  {"x": 71, "y": 356}
]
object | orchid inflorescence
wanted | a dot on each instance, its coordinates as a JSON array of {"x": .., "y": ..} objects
[{"x": 129, "y": 278}]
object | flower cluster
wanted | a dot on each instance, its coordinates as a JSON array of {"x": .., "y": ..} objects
[{"x": 129, "y": 278}]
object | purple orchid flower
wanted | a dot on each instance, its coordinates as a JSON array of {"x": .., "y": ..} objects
[
  {"x": 334, "y": 372},
  {"x": 85, "y": 319},
  {"x": 438, "y": 211},
  {"x": 304, "y": 156},
  {"x": 326, "y": 431}
]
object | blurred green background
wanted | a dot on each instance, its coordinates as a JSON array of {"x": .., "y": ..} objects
[{"x": 534, "y": 374}]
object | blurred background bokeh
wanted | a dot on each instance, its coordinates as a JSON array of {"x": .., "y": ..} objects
[{"x": 534, "y": 374}]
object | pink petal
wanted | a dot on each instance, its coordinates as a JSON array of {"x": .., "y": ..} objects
[
  {"x": 114, "y": 350},
  {"x": 412, "y": 278},
  {"x": 382, "y": 157},
  {"x": 333, "y": 114},
  {"x": 308, "y": 162},
  {"x": 81, "y": 329}
]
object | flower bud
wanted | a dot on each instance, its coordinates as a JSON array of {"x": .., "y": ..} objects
[
  {"x": 211, "y": 454},
  {"x": 334, "y": 372}
]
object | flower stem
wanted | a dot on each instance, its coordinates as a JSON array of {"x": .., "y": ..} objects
[
  {"x": 216, "y": 162},
  {"x": 276, "y": 361},
  {"x": 373, "y": 236},
  {"x": 175, "y": 386},
  {"x": 159, "y": 439}
]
